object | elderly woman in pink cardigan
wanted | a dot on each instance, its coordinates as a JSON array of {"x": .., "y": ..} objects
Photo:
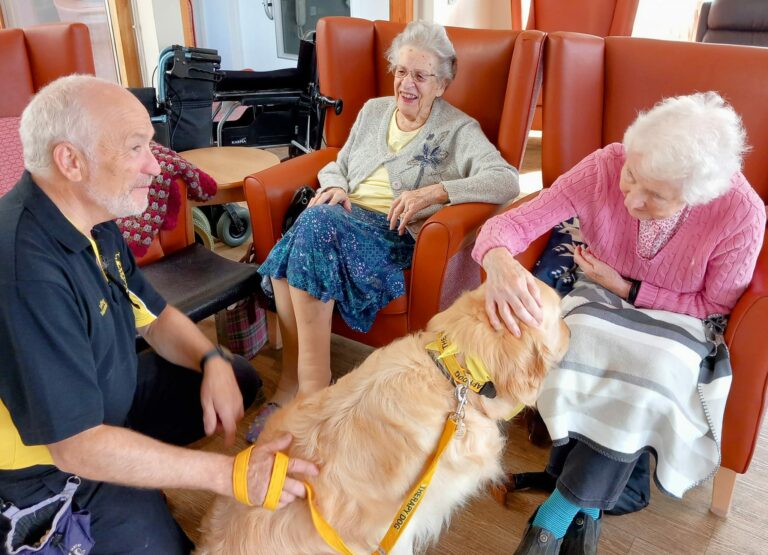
[{"x": 672, "y": 232}]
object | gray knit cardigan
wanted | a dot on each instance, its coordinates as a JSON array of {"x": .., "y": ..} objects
[{"x": 450, "y": 148}]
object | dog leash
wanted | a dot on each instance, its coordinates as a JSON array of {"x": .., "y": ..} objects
[{"x": 474, "y": 377}]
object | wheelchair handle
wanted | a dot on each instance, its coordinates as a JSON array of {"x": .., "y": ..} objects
[{"x": 327, "y": 102}]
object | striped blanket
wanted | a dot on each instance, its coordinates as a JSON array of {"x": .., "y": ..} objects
[{"x": 636, "y": 379}]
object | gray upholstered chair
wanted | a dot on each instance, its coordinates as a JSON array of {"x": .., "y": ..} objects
[{"x": 734, "y": 22}]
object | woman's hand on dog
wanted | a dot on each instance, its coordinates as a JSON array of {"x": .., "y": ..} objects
[
  {"x": 332, "y": 196},
  {"x": 260, "y": 472},
  {"x": 511, "y": 292}
]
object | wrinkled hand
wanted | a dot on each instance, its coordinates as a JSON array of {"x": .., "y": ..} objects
[
  {"x": 409, "y": 203},
  {"x": 331, "y": 197},
  {"x": 260, "y": 472},
  {"x": 511, "y": 292},
  {"x": 600, "y": 272},
  {"x": 221, "y": 399}
]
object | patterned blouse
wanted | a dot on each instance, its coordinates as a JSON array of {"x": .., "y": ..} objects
[{"x": 652, "y": 235}]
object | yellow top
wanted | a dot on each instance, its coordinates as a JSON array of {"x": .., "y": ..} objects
[{"x": 375, "y": 191}]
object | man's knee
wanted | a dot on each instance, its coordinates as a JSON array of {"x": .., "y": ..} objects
[{"x": 247, "y": 378}]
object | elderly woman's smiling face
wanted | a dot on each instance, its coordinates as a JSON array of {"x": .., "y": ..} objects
[
  {"x": 416, "y": 86},
  {"x": 647, "y": 199}
]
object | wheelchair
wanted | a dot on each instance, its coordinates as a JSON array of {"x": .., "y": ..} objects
[{"x": 196, "y": 101}]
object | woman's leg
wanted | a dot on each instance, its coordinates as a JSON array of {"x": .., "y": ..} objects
[
  {"x": 313, "y": 325},
  {"x": 288, "y": 385}
]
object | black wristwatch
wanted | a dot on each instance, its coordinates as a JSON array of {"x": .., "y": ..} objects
[{"x": 217, "y": 351}]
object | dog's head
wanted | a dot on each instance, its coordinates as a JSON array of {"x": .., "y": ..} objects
[{"x": 517, "y": 365}]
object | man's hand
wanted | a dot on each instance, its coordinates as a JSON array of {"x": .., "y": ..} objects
[
  {"x": 260, "y": 472},
  {"x": 221, "y": 399},
  {"x": 409, "y": 203},
  {"x": 511, "y": 292},
  {"x": 600, "y": 272},
  {"x": 331, "y": 197}
]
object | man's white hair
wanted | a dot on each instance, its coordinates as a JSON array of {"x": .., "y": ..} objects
[
  {"x": 696, "y": 141},
  {"x": 59, "y": 113}
]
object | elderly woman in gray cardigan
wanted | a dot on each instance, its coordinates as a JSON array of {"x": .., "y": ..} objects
[{"x": 406, "y": 157}]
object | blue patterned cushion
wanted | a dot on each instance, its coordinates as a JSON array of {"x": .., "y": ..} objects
[{"x": 556, "y": 267}]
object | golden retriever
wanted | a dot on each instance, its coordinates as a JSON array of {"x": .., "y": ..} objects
[{"x": 373, "y": 433}]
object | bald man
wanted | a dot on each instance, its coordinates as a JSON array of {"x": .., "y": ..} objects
[{"x": 75, "y": 399}]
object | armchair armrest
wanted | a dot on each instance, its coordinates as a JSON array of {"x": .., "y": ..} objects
[
  {"x": 445, "y": 234},
  {"x": 745, "y": 337},
  {"x": 269, "y": 192}
]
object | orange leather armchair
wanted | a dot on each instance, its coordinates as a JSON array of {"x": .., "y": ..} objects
[
  {"x": 595, "y": 88},
  {"x": 602, "y": 18},
  {"x": 497, "y": 83}
]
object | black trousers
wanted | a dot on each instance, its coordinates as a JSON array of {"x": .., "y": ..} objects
[
  {"x": 126, "y": 520},
  {"x": 587, "y": 478}
]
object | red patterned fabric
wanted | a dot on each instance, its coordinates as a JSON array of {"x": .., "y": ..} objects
[
  {"x": 11, "y": 156},
  {"x": 164, "y": 201}
]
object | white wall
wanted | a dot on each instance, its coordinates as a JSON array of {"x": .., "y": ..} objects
[
  {"x": 478, "y": 14},
  {"x": 158, "y": 25},
  {"x": 370, "y": 9}
]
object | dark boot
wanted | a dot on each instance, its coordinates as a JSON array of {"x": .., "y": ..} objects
[
  {"x": 538, "y": 541},
  {"x": 582, "y": 536}
]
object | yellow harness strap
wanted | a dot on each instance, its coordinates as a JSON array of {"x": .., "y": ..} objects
[
  {"x": 475, "y": 376},
  {"x": 276, "y": 480},
  {"x": 240, "y": 476}
]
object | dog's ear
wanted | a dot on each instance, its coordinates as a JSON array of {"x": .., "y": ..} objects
[{"x": 521, "y": 364}]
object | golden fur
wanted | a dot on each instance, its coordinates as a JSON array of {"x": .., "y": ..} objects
[{"x": 373, "y": 432}]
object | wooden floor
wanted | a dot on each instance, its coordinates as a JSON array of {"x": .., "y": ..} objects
[{"x": 667, "y": 526}]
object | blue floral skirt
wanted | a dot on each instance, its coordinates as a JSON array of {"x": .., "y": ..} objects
[{"x": 352, "y": 258}]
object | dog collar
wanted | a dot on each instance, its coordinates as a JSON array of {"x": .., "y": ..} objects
[{"x": 475, "y": 376}]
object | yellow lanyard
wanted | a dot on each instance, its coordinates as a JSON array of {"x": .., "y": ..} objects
[{"x": 402, "y": 518}]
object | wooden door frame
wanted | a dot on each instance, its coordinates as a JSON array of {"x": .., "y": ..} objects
[
  {"x": 188, "y": 22},
  {"x": 401, "y": 11},
  {"x": 2, "y": 19},
  {"x": 121, "y": 20}
]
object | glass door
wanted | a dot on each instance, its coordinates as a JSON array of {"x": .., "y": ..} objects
[
  {"x": 294, "y": 19},
  {"x": 26, "y": 13}
]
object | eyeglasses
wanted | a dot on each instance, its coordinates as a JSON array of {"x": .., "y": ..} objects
[{"x": 417, "y": 76}]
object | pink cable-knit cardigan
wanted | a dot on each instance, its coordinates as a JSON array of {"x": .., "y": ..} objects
[{"x": 702, "y": 270}]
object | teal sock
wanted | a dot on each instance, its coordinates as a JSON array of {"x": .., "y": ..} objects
[{"x": 556, "y": 514}]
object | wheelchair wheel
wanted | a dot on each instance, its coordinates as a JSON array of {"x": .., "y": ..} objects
[
  {"x": 202, "y": 228},
  {"x": 229, "y": 233}
]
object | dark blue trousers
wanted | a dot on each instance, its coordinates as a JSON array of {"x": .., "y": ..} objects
[{"x": 127, "y": 520}]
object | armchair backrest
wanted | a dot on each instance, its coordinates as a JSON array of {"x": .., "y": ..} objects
[
  {"x": 35, "y": 56},
  {"x": 596, "y": 87},
  {"x": 489, "y": 86},
  {"x": 602, "y": 18},
  {"x": 734, "y": 22},
  {"x": 32, "y": 58}
]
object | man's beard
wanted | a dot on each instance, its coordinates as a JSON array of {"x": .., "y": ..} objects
[{"x": 124, "y": 205}]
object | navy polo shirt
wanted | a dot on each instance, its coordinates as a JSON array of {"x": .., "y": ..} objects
[{"x": 67, "y": 327}]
